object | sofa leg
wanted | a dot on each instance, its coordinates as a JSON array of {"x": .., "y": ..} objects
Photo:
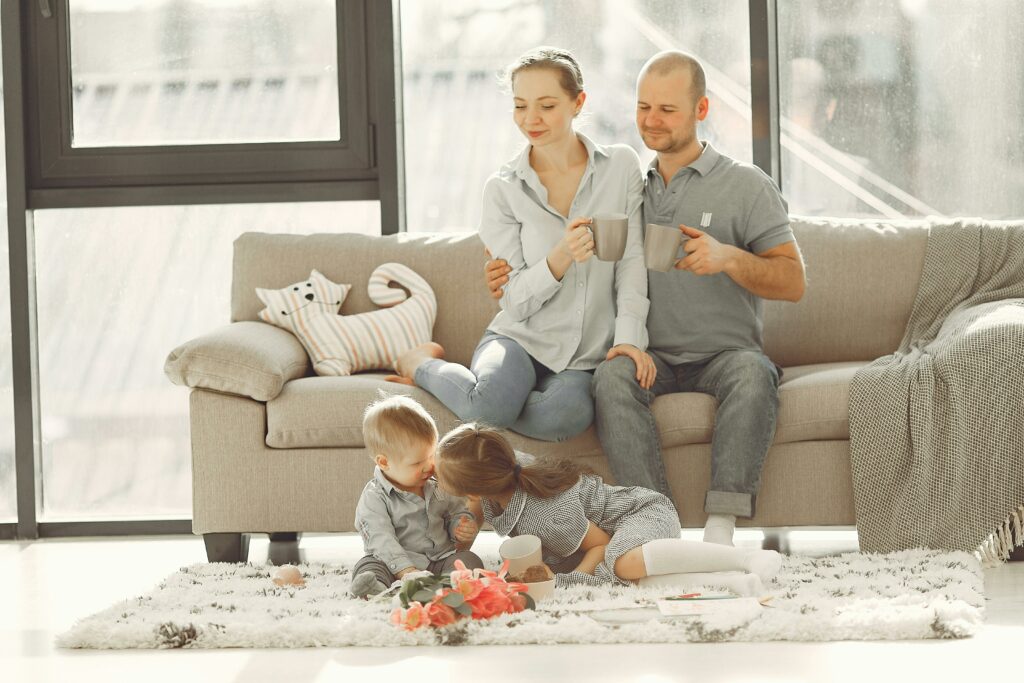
[
  {"x": 776, "y": 540},
  {"x": 226, "y": 547},
  {"x": 284, "y": 548},
  {"x": 1017, "y": 554}
]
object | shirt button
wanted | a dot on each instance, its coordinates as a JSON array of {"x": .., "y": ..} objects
[
  {"x": 579, "y": 284},
  {"x": 579, "y": 312}
]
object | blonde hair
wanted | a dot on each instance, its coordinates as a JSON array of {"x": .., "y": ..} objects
[
  {"x": 479, "y": 461},
  {"x": 395, "y": 426},
  {"x": 560, "y": 60}
]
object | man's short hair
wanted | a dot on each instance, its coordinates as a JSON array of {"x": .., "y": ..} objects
[
  {"x": 396, "y": 426},
  {"x": 668, "y": 61}
]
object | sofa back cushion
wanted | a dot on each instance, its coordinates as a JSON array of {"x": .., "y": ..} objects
[
  {"x": 452, "y": 264},
  {"x": 861, "y": 282},
  {"x": 862, "y": 279}
]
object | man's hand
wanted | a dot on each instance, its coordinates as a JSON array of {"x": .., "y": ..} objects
[
  {"x": 496, "y": 272},
  {"x": 645, "y": 369},
  {"x": 704, "y": 254},
  {"x": 466, "y": 530}
]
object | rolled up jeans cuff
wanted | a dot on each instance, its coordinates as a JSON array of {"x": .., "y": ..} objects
[{"x": 729, "y": 503}]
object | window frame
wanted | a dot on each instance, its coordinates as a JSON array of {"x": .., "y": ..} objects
[{"x": 60, "y": 175}]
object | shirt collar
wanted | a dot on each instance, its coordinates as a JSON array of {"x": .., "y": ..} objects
[
  {"x": 389, "y": 487},
  {"x": 508, "y": 518},
  {"x": 702, "y": 164},
  {"x": 385, "y": 483},
  {"x": 521, "y": 165}
]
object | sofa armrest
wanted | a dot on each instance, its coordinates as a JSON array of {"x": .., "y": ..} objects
[{"x": 246, "y": 358}]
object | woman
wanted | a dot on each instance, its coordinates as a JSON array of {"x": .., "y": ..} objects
[{"x": 562, "y": 312}]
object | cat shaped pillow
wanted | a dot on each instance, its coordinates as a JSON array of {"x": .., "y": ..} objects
[{"x": 342, "y": 344}]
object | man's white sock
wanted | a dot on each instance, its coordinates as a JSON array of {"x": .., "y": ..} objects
[{"x": 719, "y": 529}]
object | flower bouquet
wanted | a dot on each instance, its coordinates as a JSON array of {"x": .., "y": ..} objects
[{"x": 442, "y": 600}]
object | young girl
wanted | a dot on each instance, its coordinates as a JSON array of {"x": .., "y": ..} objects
[{"x": 591, "y": 532}]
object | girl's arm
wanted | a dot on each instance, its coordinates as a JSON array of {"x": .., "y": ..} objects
[{"x": 594, "y": 543}]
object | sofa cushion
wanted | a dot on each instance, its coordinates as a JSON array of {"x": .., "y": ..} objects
[
  {"x": 814, "y": 402},
  {"x": 245, "y": 358},
  {"x": 862, "y": 278},
  {"x": 325, "y": 412}
]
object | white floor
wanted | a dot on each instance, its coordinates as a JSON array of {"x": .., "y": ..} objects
[{"x": 46, "y": 585}]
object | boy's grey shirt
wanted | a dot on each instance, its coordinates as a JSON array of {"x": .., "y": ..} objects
[
  {"x": 403, "y": 530},
  {"x": 693, "y": 317}
]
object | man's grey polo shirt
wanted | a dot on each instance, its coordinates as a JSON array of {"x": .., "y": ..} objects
[
  {"x": 693, "y": 317},
  {"x": 403, "y": 530}
]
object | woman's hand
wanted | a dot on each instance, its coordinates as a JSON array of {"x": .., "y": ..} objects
[
  {"x": 645, "y": 368},
  {"x": 579, "y": 240}
]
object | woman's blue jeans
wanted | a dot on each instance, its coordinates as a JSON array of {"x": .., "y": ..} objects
[{"x": 504, "y": 387}]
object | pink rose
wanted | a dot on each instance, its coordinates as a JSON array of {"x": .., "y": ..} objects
[
  {"x": 470, "y": 588},
  {"x": 440, "y": 614},
  {"x": 461, "y": 573},
  {"x": 415, "y": 617},
  {"x": 491, "y": 601}
]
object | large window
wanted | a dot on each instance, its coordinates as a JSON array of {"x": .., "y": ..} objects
[
  {"x": 902, "y": 108},
  {"x": 458, "y": 121},
  {"x": 117, "y": 289}
]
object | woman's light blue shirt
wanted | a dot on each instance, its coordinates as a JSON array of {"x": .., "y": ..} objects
[{"x": 568, "y": 324}]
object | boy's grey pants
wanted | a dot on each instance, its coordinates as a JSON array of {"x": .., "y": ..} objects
[{"x": 369, "y": 563}]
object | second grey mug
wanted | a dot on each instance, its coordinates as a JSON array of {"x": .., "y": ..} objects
[{"x": 661, "y": 246}]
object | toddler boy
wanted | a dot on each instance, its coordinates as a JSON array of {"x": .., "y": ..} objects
[{"x": 407, "y": 522}]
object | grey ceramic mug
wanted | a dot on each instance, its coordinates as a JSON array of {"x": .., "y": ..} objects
[
  {"x": 610, "y": 231},
  {"x": 661, "y": 246}
]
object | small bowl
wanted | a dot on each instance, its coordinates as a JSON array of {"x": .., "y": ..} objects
[{"x": 541, "y": 589}]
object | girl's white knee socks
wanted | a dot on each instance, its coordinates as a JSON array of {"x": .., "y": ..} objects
[{"x": 676, "y": 556}]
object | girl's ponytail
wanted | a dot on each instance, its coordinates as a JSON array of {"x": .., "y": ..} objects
[{"x": 478, "y": 460}]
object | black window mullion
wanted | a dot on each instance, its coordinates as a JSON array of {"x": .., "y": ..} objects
[
  {"x": 19, "y": 235},
  {"x": 764, "y": 87}
]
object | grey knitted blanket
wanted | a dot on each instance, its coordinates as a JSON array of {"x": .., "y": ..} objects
[{"x": 937, "y": 428}]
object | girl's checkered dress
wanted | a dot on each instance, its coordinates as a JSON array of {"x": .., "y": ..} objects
[{"x": 631, "y": 515}]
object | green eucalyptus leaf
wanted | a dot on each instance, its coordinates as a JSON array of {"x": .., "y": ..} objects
[
  {"x": 464, "y": 609},
  {"x": 424, "y": 596},
  {"x": 453, "y": 599}
]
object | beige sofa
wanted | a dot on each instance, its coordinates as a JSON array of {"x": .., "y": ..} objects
[{"x": 276, "y": 450}]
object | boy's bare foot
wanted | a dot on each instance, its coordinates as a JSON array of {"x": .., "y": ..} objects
[{"x": 407, "y": 363}]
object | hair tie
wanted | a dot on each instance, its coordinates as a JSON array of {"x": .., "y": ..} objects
[{"x": 516, "y": 470}]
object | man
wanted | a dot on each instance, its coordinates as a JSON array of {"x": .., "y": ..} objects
[{"x": 705, "y": 319}]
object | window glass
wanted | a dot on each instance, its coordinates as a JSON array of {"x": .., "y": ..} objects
[
  {"x": 458, "y": 121},
  {"x": 117, "y": 289},
  {"x": 8, "y": 499},
  {"x": 902, "y": 108},
  {"x": 162, "y": 72}
]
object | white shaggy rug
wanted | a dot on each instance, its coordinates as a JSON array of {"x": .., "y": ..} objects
[{"x": 905, "y": 595}]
